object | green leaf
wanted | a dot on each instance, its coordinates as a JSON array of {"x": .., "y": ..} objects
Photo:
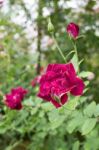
[
  {"x": 84, "y": 74},
  {"x": 88, "y": 125},
  {"x": 54, "y": 115},
  {"x": 47, "y": 107},
  {"x": 90, "y": 4},
  {"x": 96, "y": 112},
  {"x": 76, "y": 145},
  {"x": 57, "y": 123},
  {"x": 82, "y": 99},
  {"x": 76, "y": 122},
  {"x": 71, "y": 104},
  {"x": 89, "y": 110},
  {"x": 86, "y": 83},
  {"x": 55, "y": 119},
  {"x": 69, "y": 54}
]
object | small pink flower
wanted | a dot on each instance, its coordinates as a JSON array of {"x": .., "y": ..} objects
[
  {"x": 57, "y": 82},
  {"x": 35, "y": 81},
  {"x": 91, "y": 76},
  {"x": 41, "y": 68},
  {"x": 73, "y": 30},
  {"x": 14, "y": 98}
]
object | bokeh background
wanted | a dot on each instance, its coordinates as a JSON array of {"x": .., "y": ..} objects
[{"x": 26, "y": 46}]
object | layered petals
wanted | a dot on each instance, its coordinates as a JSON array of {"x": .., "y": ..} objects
[
  {"x": 13, "y": 100},
  {"x": 58, "y": 81},
  {"x": 79, "y": 87}
]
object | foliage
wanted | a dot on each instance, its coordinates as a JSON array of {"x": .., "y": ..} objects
[{"x": 40, "y": 126}]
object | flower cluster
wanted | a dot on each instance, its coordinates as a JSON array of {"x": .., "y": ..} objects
[
  {"x": 58, "y": 81},
  {"x": 14, "y": 98}
]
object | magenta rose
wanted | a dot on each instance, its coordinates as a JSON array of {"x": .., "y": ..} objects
[
  {"x": 73, "y": 30},
  {"x": 57, "y": 82},
  {"x": 14, "y": 98}
]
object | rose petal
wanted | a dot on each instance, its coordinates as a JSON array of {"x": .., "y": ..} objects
[
  {"x": 45, "y": 97},
  {"x": 49, "y": 98},
  {"x": 18, "y": 106},
  {"x": 79, "y": 87},
  {"x": 45, "y": 88},
  {"x": 55, "y": 103},
  {"x": 64, "y": 99}
]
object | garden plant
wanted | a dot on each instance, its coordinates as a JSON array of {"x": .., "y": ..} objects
[{"x": 45, "y": 99}]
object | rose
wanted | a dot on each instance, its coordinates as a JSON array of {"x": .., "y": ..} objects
[
  {"x": 58, "y": 81},
  {"x": 14, "y": 98},
  {"x": 73, "y": 30}
]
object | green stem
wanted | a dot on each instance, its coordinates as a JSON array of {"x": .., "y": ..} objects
[
  {"x": 60, "y": 51},
  {"x": 75, "y": 49}
]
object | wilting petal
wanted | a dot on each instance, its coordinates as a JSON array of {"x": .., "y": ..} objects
[{"x": 79, "y": 87}]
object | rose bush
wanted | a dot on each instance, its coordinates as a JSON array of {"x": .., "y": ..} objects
[{"x": 39, "y": 125}]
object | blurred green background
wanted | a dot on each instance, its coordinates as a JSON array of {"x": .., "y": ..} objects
[{"x": 25, "y": 46}]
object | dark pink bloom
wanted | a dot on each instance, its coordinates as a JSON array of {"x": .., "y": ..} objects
[
  {"x": 13, "y": 100},
  {"x": 35, "y": 81},
  {"x": 58, "y": 81},
  {"x": 73, "y": 30}
]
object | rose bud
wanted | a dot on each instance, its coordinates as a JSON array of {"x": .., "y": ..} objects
[
  {"x": 91, "y": 76},
  {"x": 73, "y": 30},
  {"x": 50, "y": 26}
]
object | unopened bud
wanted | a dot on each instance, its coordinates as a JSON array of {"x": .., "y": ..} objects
[
  {"x": 50, "y": 26},
  {"x": 91, "y": 76}
]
